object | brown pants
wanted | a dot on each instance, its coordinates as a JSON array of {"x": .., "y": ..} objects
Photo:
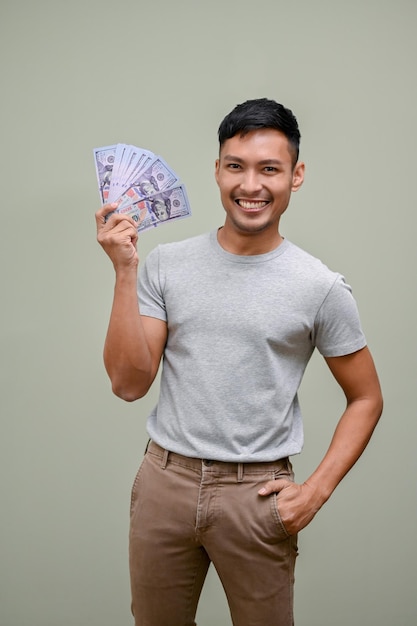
[{"x": 187, "y": 513}]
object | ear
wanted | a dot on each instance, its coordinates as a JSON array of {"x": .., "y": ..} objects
[
  {"x": 216, "y": 170},
  {"x": 298, "y": 176}
]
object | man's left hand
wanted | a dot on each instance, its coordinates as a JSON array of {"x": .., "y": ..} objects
[{"x": 297, "y": 504}]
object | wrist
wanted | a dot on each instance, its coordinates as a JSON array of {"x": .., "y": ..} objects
[
  {"x": 319, "y": 492},
  {"x": 126, "y": 275}
]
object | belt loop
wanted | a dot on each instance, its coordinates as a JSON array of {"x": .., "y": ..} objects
[
  {"x": 164, "y": 459},
  {"x": 239, "y": 472}
]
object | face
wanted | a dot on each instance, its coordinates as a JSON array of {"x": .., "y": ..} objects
[
  {"x": 160, "y": 210},
  {"x": 256, "y": 177},
  {"x": 147, "y": 187}
]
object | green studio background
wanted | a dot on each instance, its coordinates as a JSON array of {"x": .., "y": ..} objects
[{"x": 162, "y": 75}]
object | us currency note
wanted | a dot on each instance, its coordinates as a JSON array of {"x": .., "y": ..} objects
[
  {"x": 135, "y": 160},
  {"x": 153, "y": 179},
  {"x": 142, "y": 183},
  {"x": 172, "y": 204},
  {"x": 104, "y": 162},
  {"x": 117, "y": 174},
  {"x": 141, "y": 161}
]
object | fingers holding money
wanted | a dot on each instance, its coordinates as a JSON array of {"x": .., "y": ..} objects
[
  {"x": 143, "y": 185},
  {"x": 117, "y": 234},
  {"x": 104, "y": 213}
]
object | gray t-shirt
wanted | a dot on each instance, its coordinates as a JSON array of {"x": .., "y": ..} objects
[{"x": 241, "y": 330}]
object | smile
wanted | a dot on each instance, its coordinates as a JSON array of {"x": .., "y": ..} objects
[{"x": 252, "y": 205}]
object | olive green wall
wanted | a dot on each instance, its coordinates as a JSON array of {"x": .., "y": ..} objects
[{"x": 162, "y": 74}]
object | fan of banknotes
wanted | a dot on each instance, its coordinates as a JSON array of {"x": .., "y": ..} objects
[{"x": 144, "y": 186}]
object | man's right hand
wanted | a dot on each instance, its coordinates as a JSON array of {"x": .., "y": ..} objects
[{"x": 117, "y": 236}]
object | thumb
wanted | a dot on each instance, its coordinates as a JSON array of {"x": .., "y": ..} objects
[{"x": 274, "y": 486}]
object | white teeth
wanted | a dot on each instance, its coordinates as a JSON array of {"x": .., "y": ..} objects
[{"x": 252, "y": 205}]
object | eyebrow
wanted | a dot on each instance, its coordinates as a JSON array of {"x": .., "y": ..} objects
[{"x": 236, "y": 159}]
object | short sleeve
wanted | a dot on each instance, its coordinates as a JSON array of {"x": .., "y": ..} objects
[
  {"x": 337, "y": 328},
  {"x": 150, "y": 293}
]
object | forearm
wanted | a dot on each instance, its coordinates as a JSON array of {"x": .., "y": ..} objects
[
  {"x": 356, "y": 374},
  {"x": 350, "y": 439},
  {"x": 134, "y": 344},
  {"x": 127, "y": 356}
]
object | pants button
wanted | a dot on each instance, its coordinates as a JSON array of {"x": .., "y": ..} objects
[{"x": 208, "y": 462}]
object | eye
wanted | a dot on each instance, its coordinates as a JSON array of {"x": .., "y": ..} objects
[
  {"x": 270, "y": 169},
  {"x": 233, "y": 166}
]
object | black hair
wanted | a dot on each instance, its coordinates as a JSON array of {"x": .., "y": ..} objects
[{"x": 261, "y": 113}]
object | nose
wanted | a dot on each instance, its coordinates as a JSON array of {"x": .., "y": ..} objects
[{"x": 250, "y": 183}]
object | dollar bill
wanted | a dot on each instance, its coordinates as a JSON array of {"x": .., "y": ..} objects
[
  {"x": 142, "y": 183},
  {"x": 156, "y": 177},
  {"x": 129, "y": 161},
  {"x": 117, "y": 174},
  {"x": 140, "y": 160},
  {"x": 161, "y": 208},
  {"x": 104, "y": 161}
]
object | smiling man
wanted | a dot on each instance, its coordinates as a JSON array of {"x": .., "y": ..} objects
[
  {"x": 235, "y": 316},
  {"x": 256, "y": 174}
]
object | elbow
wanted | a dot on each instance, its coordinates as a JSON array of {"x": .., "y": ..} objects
[
  {"x": 375, "y": 408},
  {"x": 378, "y": 402},
  {"x": 380, "y": 405},
  {"x": 130, "y": 397},
  {"x": 129, "y": 393},
  {"x": 127, "y": 383},
  {"x": 126, "y": 394}
]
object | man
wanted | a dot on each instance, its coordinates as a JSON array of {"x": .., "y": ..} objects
[{"x": 235, "y": 314}]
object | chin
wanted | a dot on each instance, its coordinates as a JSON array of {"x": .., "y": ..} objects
[{"x": 253, "y": 228}]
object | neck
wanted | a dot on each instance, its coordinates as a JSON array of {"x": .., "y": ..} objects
[{"x": 248, "y": 244}]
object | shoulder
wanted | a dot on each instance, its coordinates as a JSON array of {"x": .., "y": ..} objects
[
  {"x": 304, "y": 258},
  {"x": 309, "y": 268},
  {"x": 182, "y": 249}
]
